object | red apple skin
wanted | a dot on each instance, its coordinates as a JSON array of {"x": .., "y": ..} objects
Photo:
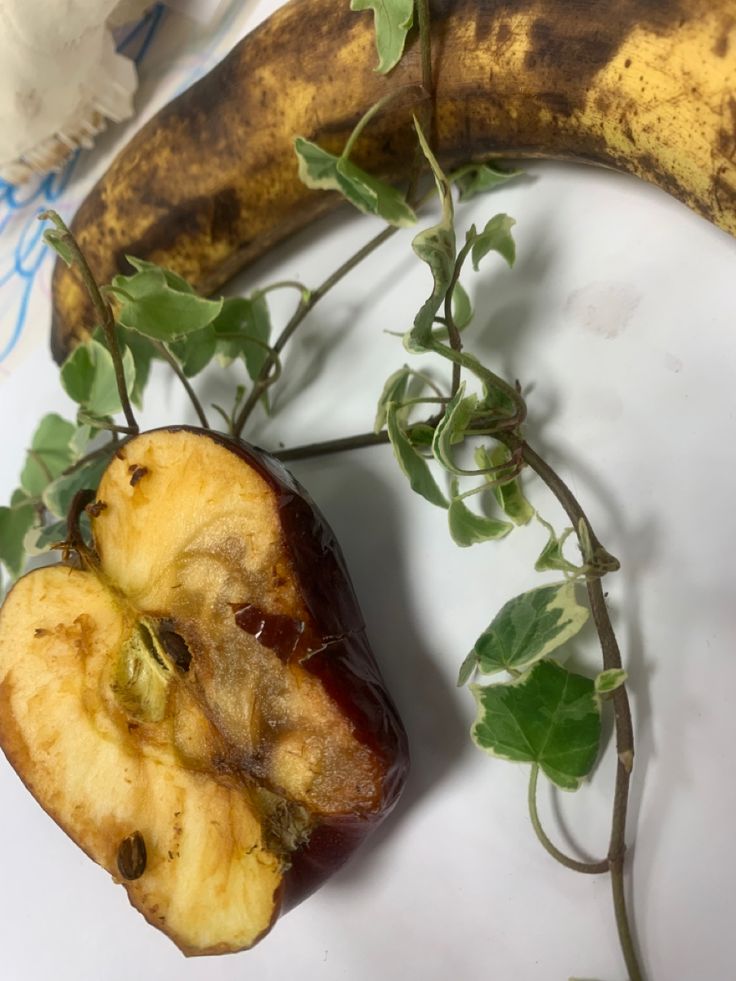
[{"x": 345, "y": 665}]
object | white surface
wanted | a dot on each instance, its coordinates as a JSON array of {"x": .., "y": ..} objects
[{"x": 618, "y": 319}]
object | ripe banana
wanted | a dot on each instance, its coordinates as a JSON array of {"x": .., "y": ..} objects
[{"x": 210, "y": 183}]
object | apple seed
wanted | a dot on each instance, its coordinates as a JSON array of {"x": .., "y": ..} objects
[{"x": 132, "y": 856}]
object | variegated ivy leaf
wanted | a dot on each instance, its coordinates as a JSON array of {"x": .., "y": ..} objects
[
  {"x": 393, "y": 391},
  {"x": 161, "y": 305},
  {"x": 462, "y": 314},
  {"x": 324, "y": 171},
  {"x": 174, "y": 280},
  {"x": 529, "y": 627},
  {"x": 437, "y": 247},
  {"x": 88, "y": 377},
  {"x": 15, "y": 522},
  {"x": 452, "y": 427},
  {"x": 59, "y": 494},
  {"x": 509, "y": 495},
  {"x": 468, "y": 528},
  {"x": 80, "y": 440},
  {"x": 462, "y": 309},
  {"x": 393, "y": 21},
  {"x": 549, "y": 716},
  {"x": 195, "y": 351},
  {"x": 552, "y": 556},
  {"x": 49, "y": 455},
  {"x": 412, "y": 463},
  {"x": 421, "y": 434},
  {"x": 39, "y": 540},
  {"x": 495, "y": 237},
  {"x": 480, "y": 178},
  {"x": 142, "y": 352},
  {"x": 608, "y": 681},
  {"x": 243, "y": 330}
]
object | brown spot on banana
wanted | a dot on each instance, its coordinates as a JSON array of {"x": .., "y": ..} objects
[{"x": 210, "y": 183}]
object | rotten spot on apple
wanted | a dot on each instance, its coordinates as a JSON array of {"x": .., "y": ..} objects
[{"x": 194, "y": 699}]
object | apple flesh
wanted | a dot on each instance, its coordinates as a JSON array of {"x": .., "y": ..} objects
[{"x": 195, "y": 701}]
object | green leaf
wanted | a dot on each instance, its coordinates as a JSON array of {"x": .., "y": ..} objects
[
  {"x": 393, "y": 391},
  {"x": 608, "y": 681},
  {"x": 256, "y": 352},
  {"x": 39, "y": 540},
  {"x": 321, "y": 170},
  {"x": 413, "y": 465},
  {"x": 452, "y": 427},
  {"x": 80, "y": 440},
  {"x": 56, "y": 240},
  {"x": 143, "y": 353},
  {"x": 49, "y": 455},
  {"x": 172, "y": 279},
  {"x": 95, "y": 423},
  {"x": 552, "y": 556},
  {"x": 373, "y": 196},
  {"x": 195, "y": 351},
  {"x": 480, "y": 178},
  {"x": 243, "y": 330},
  {"x": 15, "y": 522},
  {"x": 462, "y": 309},
  {"x": 495, "y": 237},
  {"x": 529, "y": 627},
  {"x": 420, "y": 434},
  {"x": 509, "y": 495},
  {"x": 437, "y": 247},
  {"x": 59, "y": 494},
  {"x": 152, "y": 306},
  {"x": 549, "y": 716},
  {"x": 468, "y": 528},
  {"x": 393, "y": 21},
  {"x": 467, "y": 669},
  {"x": 88, "y": 377}
]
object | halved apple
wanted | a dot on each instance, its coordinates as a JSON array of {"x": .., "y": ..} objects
[{"x": 196, "y": 703}]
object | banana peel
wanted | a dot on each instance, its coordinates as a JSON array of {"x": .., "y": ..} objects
[{"x": 210, "y": 183}]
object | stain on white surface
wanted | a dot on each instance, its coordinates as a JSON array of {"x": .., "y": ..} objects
[
  {"x": 672, "y": 363},
  {"x": 603, "y": 309}
]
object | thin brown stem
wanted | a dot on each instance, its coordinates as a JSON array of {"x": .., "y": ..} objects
[
  {"x": 307, "y": 304},
  {"x": 169, "y": 358},
  {"x": 104, "y": 312},
  {"x": 453, "y": 334},
  {"x": 621, "y": 709},
  {"x": 374, "y": 110},
  {"x": 92, "y": 455},
  {"x": 332, "y": 446},
  {"x": 111, "y": 427},
  {"x": 283, "y": 284}
]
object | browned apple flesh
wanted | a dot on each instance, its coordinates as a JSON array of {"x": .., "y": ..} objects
[{"x": 197, "y": 705}]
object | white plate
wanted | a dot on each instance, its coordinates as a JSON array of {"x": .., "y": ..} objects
[{"x": 618, "y": 319}]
